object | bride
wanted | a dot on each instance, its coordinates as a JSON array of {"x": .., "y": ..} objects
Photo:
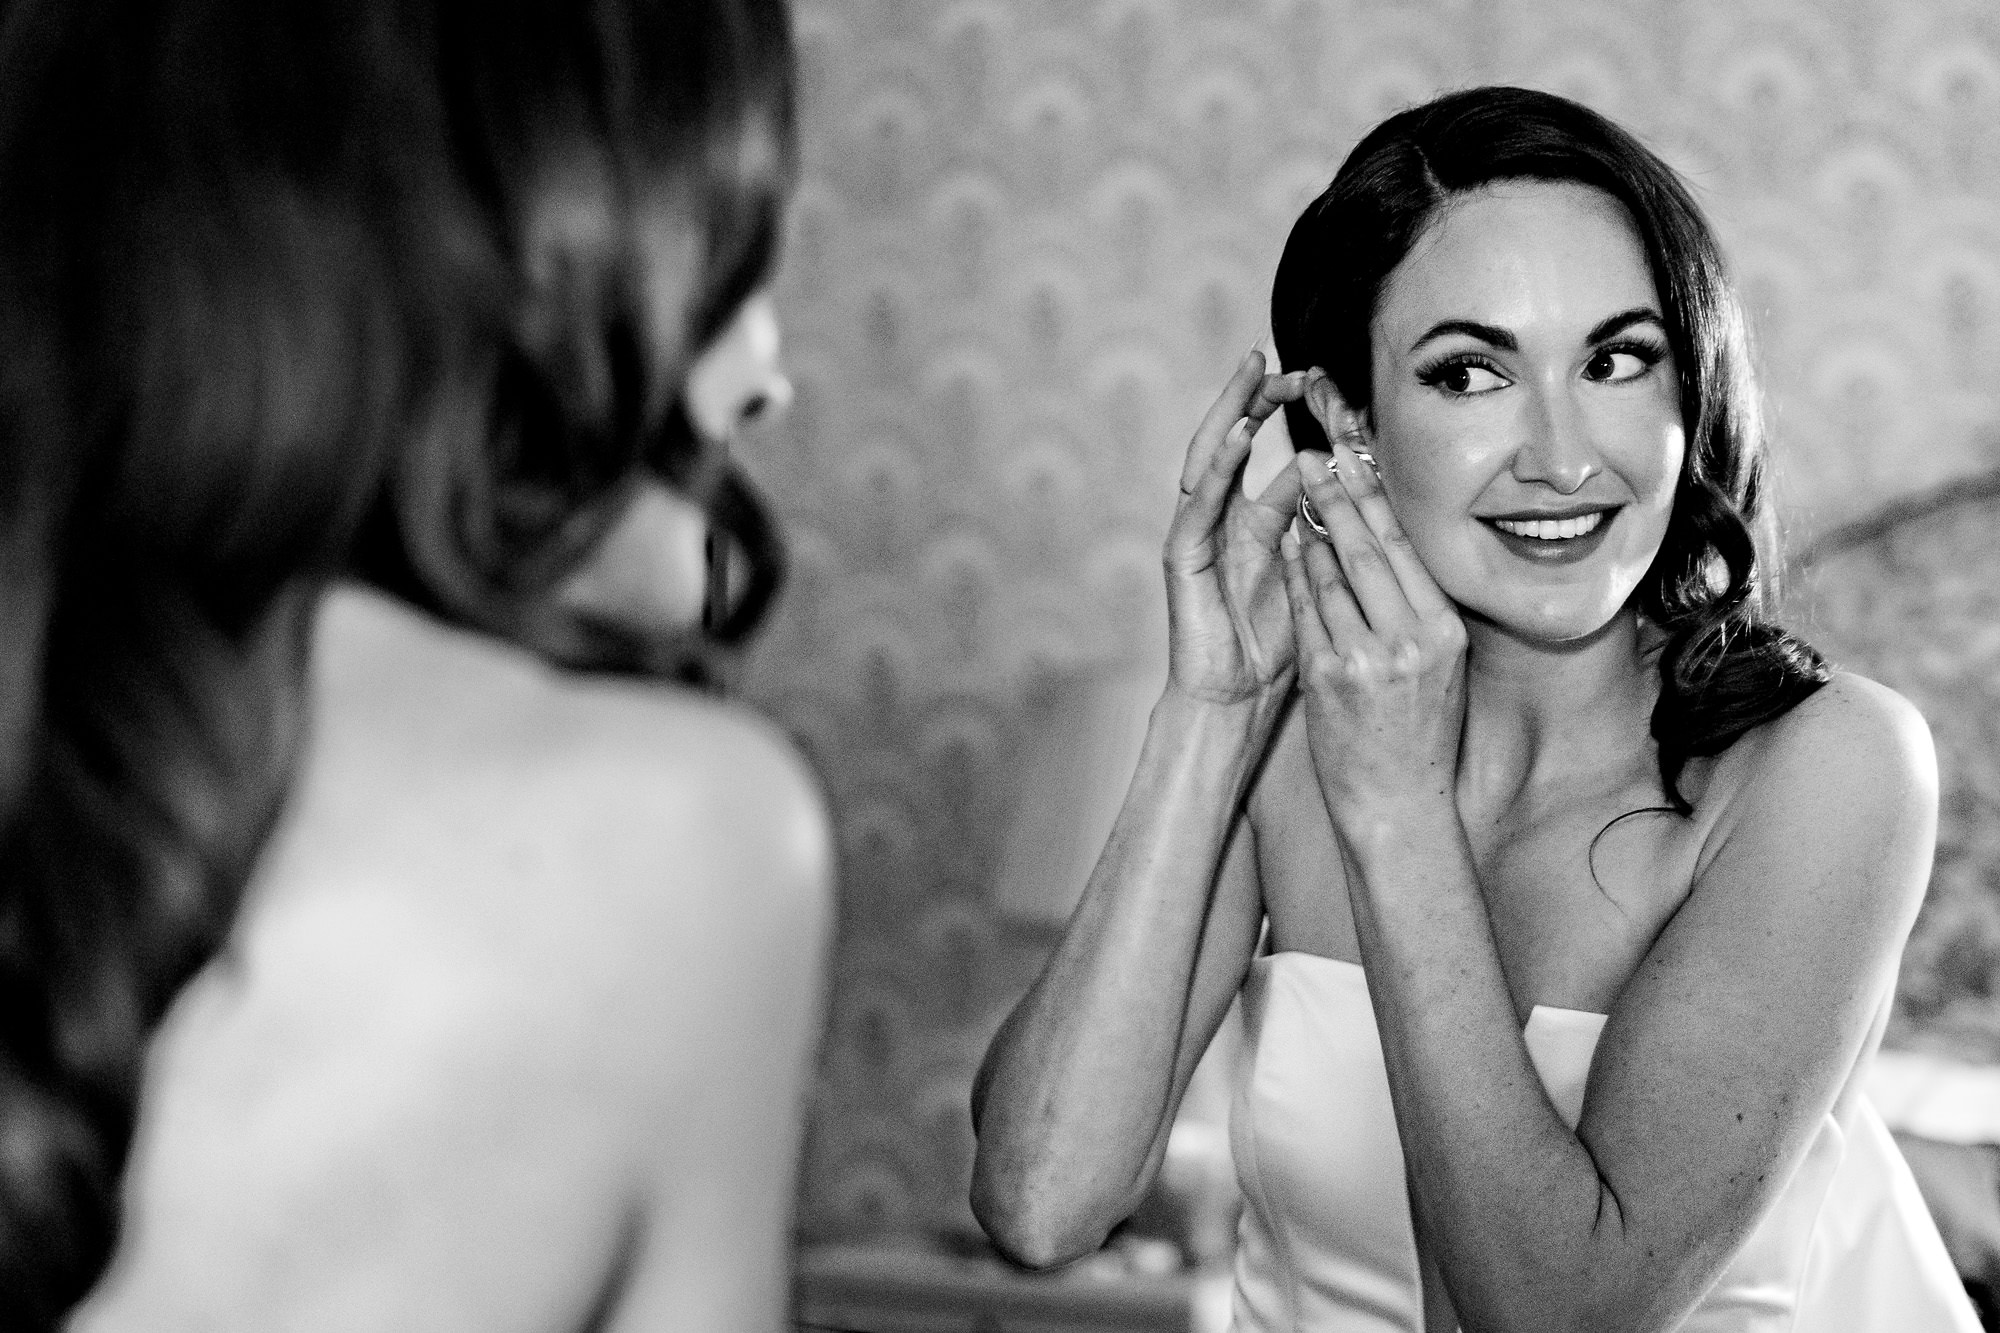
[{"x": 1564, "y": 890}]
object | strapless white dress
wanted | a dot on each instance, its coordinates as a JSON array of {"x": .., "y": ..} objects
[{"x": 1326, "y": 1246}]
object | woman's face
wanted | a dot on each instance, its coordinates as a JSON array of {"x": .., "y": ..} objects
[{"x": 1527, "y": 417}]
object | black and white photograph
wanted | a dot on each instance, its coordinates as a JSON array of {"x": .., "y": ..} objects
[{"x": 999, "y": 666}]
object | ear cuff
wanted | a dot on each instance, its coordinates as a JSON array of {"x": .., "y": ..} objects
[{"x": 1310, "y": 515}]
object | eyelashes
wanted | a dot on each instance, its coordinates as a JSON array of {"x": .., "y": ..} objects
[
  {"x": 1462, "y": 374},
  {"x": 1646, "y": 351},
  {"x": 1468, "y": 374}
]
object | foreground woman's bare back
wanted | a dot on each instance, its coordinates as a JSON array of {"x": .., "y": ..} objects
[{"x": 515, "y": 1026}]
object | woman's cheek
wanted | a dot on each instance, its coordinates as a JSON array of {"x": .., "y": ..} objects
[{"x": 1654, "y": 471}]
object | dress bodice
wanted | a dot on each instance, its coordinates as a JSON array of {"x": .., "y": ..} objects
[{"x": 1326, "y": 1243}]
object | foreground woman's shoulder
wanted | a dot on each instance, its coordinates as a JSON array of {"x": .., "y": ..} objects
[
  {"x": 654, "y": 759},
  {"x": 499, "y": 745},
  {"x": 518, "y": 1011},
  {"x": 572, "y": 830},
  {"x": 537, "y": 814}
]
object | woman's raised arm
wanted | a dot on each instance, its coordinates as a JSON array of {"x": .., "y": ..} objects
[{"x": 1076, "y": 1095}]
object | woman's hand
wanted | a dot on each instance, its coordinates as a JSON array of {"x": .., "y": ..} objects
[
  {"x": 1230, "y": 634},
  {"x": 1381, "y": 649}
]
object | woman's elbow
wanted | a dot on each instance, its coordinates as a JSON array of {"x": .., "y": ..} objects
[{"x": 1021, "y": 1222}]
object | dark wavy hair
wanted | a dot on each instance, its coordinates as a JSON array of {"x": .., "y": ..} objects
[
  {"x": 283, "y": 296},
  {"x": 1724, "y": 667}
]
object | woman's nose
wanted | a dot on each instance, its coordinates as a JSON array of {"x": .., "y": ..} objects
[
  {"x": 741, "y": 376},
  {"x": 1558, "y": 451}
]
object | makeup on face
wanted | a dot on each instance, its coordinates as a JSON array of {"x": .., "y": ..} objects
[
  {"x": 1554, "y": 538},
  {"x": 1526, "y": 415}
]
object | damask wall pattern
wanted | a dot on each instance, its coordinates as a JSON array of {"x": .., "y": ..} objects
[
  {"x": 1031, "y": 240},
  {"x": 1912, "y": 598}
]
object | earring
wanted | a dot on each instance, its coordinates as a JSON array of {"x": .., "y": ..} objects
[
  {"x": 1311, "y": 519},
  {"x": 1352, "y": 439}
]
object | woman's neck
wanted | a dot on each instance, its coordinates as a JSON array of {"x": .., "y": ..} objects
[{"x": 1544, "y": 715}]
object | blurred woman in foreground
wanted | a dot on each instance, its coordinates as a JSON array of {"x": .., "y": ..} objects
[{"x": 398, "y": 298}]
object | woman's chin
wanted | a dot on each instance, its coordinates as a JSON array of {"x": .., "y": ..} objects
[
  {"x": 1541, "y": 603},
  {"x": 1548, "y": 622}
]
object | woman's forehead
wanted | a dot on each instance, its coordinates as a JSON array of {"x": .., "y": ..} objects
[{"x": 1534, "y": 257}]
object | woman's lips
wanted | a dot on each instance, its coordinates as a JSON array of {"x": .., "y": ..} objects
[
  {"x": 1552, "y": 539},
  {"x": 1551, "y": 529}
]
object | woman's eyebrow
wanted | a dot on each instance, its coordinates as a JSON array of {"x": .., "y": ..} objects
[
  {"x": 1491, "y": 334},
  {"x": 1495, "y": 336},
  {"x": 1623, "y": 320}
]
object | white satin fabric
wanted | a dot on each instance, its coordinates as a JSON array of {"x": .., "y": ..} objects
[{"x": 1326, "y": 1246}]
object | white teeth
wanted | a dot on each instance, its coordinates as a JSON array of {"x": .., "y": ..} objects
[{"x": 1551, "y": 529}]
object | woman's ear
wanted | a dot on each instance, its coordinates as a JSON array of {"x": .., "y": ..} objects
[{"x": 1335, "y": 417}]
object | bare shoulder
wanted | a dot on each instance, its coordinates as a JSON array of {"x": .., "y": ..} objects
[
  {"x": 1854, "y": 709},
  {"x": 614, "y": 854},
  {"x": 1852, "y": 745},
  {"x": 527, "y": 954},
  {"x": 657, "y": 771},
  {"x": 1840, "y": 792},
  {"x": 600, "y": 791}
]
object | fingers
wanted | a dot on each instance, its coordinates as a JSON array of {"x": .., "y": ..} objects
[
  {"x": 1250, "y": 395},
  {"x": 1190, "y": 537},
  {"x": 1214, "y": 462},
  {"x": 1376, "y": 587},
  {"x": 1308, "y": 625},
  {"x": 1273, "y": 392},
  {"x": 1364, "y": 486},
  {"x": 1325, "y": 619},
  {"x": 1271, "y": 512},
  {"x": 1229, "y": 407}
]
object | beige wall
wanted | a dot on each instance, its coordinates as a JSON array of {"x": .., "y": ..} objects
[{"x": 1031, "y": 240}]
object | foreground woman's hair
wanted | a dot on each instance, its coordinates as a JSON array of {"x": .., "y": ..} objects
[
  {"x": 1723, "y": 669},
  {"x": 277, "y": 299}
]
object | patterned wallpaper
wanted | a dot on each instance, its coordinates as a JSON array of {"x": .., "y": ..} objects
[
  {"x": 1911, "y": 597},
  {"x": 1032, "y": 238}
]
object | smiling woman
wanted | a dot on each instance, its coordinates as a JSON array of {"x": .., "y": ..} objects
[
  {"x": 1564, "y": 889},
  {"x": 1555, "y": 426}
]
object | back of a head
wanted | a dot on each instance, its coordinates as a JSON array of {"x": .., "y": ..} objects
[{"x": 285, "y": 290}]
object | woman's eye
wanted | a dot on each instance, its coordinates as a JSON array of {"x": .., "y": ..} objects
[
  {"x": 1462, "y": 378},
  {"x": 1615, "y": 364}
]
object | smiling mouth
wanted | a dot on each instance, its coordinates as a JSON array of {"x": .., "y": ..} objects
[{"x": 1552, "y": 529}]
